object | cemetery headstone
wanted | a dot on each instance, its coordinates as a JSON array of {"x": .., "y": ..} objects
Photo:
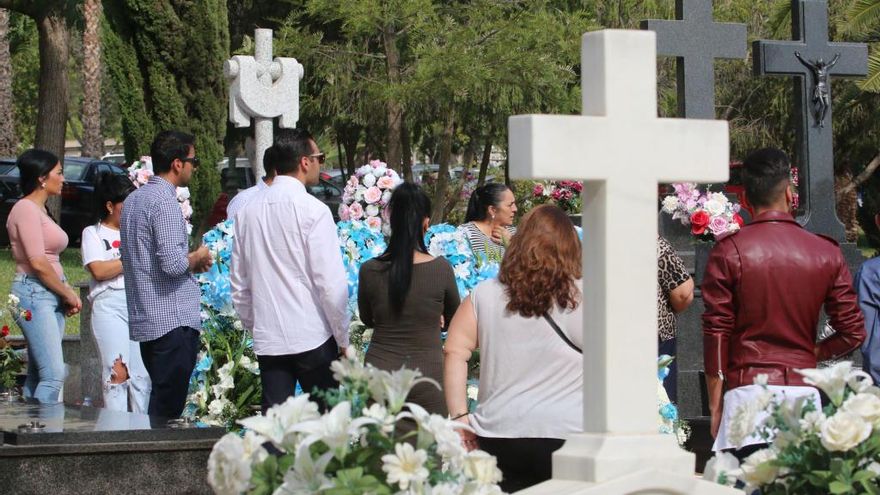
[
  {"x": 263, "y": 89},
  {"x": 622, "y": 151},
  {"x": 696, "y": 40},
  {"x": 813, "y": 60}
]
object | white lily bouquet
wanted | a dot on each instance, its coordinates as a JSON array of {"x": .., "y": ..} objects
[
  {"x": 812, "y": 450},
  {"x": 357, "y": 447}
]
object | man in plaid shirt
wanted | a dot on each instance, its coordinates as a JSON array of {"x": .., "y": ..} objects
[{"x": 162, "y": 295}]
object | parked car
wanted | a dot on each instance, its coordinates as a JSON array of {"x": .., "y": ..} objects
[
  {"x": 77, "y": 196},
  {"x": 328, "y": 190},
  {"x": 117, "y": 158}
]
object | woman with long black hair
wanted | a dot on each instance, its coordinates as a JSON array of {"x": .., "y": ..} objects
[
  {"x": 44, "y": 296},
  {"x": 126, "y": 381},
  {"x": 404, "y": 294}
]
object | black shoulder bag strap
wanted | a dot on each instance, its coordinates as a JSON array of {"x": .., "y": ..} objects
[{"x": 561, "y": 334}]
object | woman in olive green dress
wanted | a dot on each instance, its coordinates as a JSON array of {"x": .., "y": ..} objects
[{"x": 405, "y": 294}]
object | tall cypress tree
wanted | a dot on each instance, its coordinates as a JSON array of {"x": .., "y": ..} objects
[{"x": 165, "y": 60}]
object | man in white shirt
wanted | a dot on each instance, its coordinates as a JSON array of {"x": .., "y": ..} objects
[
  {"x": 238, "y": 202},
  {"x": 288, "y": 282}
]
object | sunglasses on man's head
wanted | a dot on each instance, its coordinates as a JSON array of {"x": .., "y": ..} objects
[{"x": 319, "y": 156}]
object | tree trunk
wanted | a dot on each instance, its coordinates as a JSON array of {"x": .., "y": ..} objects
[
  {"x": 455, "y": 195},
  {"x": 394, "y": 108},
  {"x": 348, "y": 136},
  {"x": 54, "y": 91},
  {"x": 406, "y": 146},
  {"x": 8, "y": 139},
  {"x": 443, "y": 173},
  {"x": 484, "y": 161},
  {"x": 92, "y": 139}
]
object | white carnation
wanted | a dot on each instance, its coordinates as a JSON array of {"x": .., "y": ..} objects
[{"x": 670, "y": 204}]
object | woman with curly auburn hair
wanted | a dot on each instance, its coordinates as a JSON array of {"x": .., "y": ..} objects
[{"x": 527, "y": 325}]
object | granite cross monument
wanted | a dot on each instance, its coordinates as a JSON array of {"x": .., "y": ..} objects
[
  {"x": 696, "y": 41},
  {"x": 622, "y": 150},
  {"x": 812, "y": 59},
  {"x": 263, "y": 89}
]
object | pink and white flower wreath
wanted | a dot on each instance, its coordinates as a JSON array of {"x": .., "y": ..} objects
[{"x": 367, "y": 193}]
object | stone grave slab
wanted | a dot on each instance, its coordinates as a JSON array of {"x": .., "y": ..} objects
[{"x": 93, "y": 450}]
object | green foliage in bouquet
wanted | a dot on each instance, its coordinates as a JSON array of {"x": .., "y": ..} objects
[
  {"x": 812, "y": 450},
  {"x": 225, "y": 385}
]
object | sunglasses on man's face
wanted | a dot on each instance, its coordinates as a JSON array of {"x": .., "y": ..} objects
[
  {"x": 319, "y": 156},
  {"x": 194, "y": 160}
]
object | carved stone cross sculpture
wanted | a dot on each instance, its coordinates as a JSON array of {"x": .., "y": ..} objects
[
  {"x": 263, "y": 89},
  {"x": 621, "y": 150},
  {"x": 696, "y": 40},
  {"x": 812, "y": 59}
]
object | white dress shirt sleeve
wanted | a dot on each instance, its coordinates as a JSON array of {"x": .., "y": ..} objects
[
  {"x": 328, "y": 275},
  {"x": 238, "y": 279}
]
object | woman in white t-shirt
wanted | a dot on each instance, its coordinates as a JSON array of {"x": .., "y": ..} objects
[{"x": 126, "y": 381}]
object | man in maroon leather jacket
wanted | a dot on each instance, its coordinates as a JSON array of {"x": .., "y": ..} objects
[{"x": 764, "y": 288}]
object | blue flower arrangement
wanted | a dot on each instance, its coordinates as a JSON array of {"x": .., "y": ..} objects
[
  {"x": 359, "y": 243},
  {"x": 224, "y": 385},
  {"x": 451, "y": 243},
  {"x": 214, "y": 284}
]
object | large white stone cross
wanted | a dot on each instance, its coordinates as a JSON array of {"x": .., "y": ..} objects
[
  {"x": 621, "y": 150},
  {"x": 263, "y": 88}
]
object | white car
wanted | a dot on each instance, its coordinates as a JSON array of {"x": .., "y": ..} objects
[{"x": 118, "y": 158}]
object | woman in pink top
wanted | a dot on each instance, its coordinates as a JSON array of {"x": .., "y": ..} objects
[{"x": 39, "y": 283}]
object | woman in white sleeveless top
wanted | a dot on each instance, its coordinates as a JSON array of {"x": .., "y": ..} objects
[{"x": 531, "y": 375}]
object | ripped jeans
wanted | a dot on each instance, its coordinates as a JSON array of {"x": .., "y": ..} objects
[{"x": 110, "y": 326}]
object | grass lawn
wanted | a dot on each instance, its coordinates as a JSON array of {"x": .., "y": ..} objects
[{"x": 73, "y": 269}]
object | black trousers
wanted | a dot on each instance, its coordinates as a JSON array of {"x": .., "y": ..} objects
[
  {"x": 671, "y": 382},
  {"x": 523, "y": 461},
  {"x": 279, "y": 374},
  {"x": 170, "y": 360}
]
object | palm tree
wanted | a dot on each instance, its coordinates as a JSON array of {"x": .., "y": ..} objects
[
  {"x": 863, "y": 20},
  {"x": 92, "y": 139},
  {"x": 8, "y": 140}
]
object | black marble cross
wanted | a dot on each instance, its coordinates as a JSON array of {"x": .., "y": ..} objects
[
  {"x": 696, "y": 40},
  {"x": 812, "y": 59}
]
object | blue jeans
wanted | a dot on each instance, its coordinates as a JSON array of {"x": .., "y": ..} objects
[
  {"x": 110, "y": 326},
  {"x": 44, "y": 331}
]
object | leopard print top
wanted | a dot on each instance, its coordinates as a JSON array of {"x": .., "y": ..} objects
[{"x": 670, "y": 274}]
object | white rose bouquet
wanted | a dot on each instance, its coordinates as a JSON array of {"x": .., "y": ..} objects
[
  {"x": 812, "y": 450},
  {"x": 357, "y": 447}
]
